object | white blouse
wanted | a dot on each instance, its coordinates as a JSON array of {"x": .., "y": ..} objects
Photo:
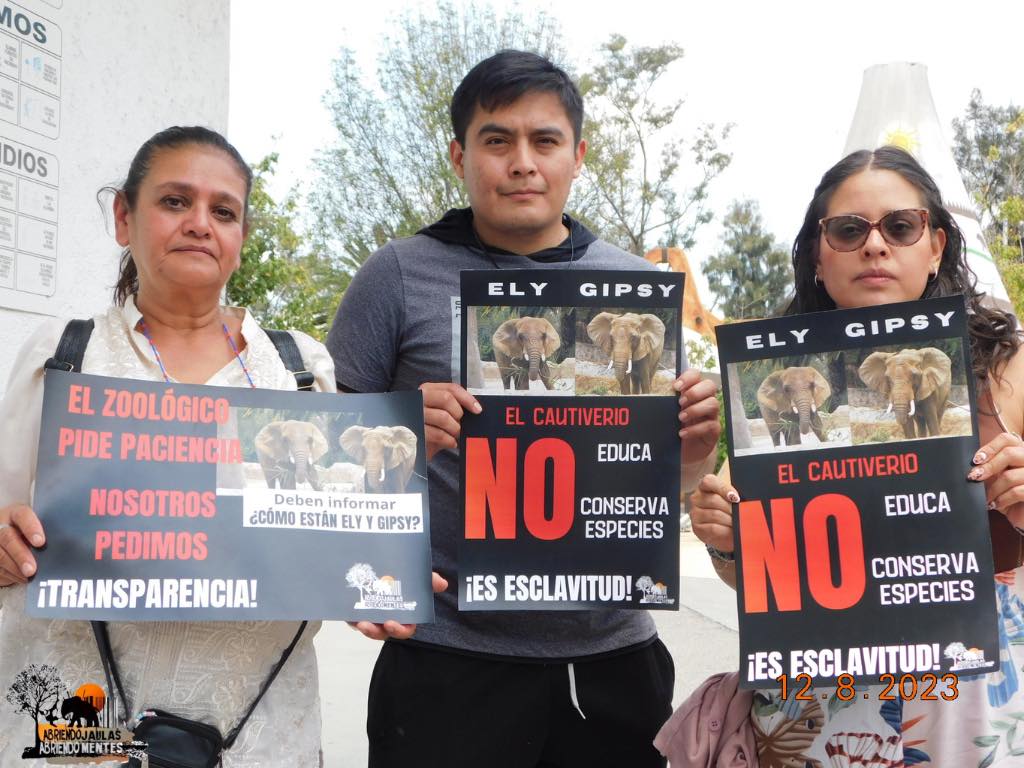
[{"x": 208, "y": 671}]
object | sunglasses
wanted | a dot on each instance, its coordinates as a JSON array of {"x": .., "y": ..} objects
[{"x": 898, "y": 228}]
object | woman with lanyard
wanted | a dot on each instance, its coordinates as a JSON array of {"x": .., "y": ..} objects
[
  {"x": 876, "y": 232},
  {"x": 181, "y": 218}
]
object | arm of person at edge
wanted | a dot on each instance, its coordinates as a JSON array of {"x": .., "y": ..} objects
[{"x": 1000, "y": 462}]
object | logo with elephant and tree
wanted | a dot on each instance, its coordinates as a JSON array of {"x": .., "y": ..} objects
[{"x": 67, "y": 721}]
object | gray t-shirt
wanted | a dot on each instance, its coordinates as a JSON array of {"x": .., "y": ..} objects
[{"x": 396, "y": 328}]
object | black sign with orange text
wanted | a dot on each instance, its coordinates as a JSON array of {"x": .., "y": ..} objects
[
  {"x": 570, "y": 475},
  {"x": 861, "y": 546},
  {"x": 181, "y": 502}
]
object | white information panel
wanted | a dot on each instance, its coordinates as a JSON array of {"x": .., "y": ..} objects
[{"x": 30, "y": 113}]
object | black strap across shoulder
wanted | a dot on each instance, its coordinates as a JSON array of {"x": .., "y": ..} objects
[
  {"x": 71, "y": 347},
  {"x": 292, "y": 358},
  {"x": 71, "y": 351}
]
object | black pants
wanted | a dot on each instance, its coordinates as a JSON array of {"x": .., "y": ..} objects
[{"x": 430, "y": 708}]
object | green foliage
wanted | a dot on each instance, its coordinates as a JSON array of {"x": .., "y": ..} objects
[
  {"x": 988, "y": 146},
  {"x": 751, "y": 273},
  {"x": 722, "y": 447},
  {"x": 629, "y": 191},
  {"x": 700, "y": 354},
  {"x": 279, "y": 280},
  {"x": 387, "y": 174}
]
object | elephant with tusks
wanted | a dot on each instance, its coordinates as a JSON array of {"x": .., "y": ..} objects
[
  {"x": 916, "y": 382},
  {"x": 522, "y": 346},
  {"x": 287, "y": 450},
  {"x": 388, "y": 454},
  {"x": 634, "y": 344},
  {"x": 789, "y": 401}
]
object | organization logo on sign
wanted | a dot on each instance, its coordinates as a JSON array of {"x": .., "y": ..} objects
[
  {"x": 382, "y": 593},
  {"x": 652, "y": 591},
  {"x": 966, "y": 658}
]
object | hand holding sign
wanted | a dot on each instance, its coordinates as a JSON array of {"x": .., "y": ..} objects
[
  {"x": 443, "y": 406},
  {"x": 393, "y": 629},
  {"x": 711, "y": 512},
  {"x": 1000, "y": 463},
  {"x": 698, "y": 413},
  {"x": 18, "y": 526}
]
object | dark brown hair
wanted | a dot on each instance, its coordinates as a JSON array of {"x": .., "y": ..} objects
[
  {"x": 503, "y": 79},
  {"x": 994, "y": 334},
  {"x": 170, "y": 138}
]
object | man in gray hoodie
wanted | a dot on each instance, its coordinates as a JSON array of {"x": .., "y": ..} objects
[{"x": 501, "y": 689}]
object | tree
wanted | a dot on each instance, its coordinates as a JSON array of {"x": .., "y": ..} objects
[
  {"x": 280, "y": 279},
  {"x": 751, "y": 273},
  {"x": 988, "y": 146},
  {"x": 32, "y": 689},
  {"x": 361, "y": 576},
  {"x": 388, "y": 173},
  {"x": 631, "y": 176}
]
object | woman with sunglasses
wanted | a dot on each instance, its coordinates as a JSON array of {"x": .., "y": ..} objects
[{"x": 876, "y": 232}]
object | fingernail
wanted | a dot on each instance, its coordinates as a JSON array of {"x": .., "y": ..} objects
[
  {"x": 682, "y": 415},
  {"x": 27, "y": 569},
  {"x": 733, "y": 497},
  {"x": 991, "y": 505},
  {"x": 37, "y": 539},
  {"x": 975, "y": 474},
  {"x": 678, "y": 385},
  {"x": 477, "y": 407},
  {"x": 979, "y": 457}
]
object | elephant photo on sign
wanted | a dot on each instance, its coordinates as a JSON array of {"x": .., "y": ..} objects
[
  {"x": 387, "y": 454},
  {"x": 912, "y": 393},
  {"x": 789, "y": 401},
  {"x": 633, "y": 345},
  {"x": 287, "y": 451},
  {"x": 522, "y": 346}
]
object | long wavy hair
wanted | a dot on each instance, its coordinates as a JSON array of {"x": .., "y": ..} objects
[
  {"x": 994, "y": 333},
  {"x": 170, "y": 138}
]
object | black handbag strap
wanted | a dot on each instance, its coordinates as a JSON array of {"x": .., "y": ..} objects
[
  {"x": 292, "y": 358},
  {"x": 99, "y": 629},
  {"x": 233, "y": 734},
  {"x": 71, "y": 348},
  {"x": 110, "y": 671}
]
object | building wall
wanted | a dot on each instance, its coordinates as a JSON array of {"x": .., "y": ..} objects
[{"x": 123, "y": 70}]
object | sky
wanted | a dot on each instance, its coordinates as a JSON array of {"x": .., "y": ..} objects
[{"x": 786, "y": 74}]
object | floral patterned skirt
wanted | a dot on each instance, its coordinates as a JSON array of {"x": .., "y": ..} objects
[{"x": 982, "y": 726}]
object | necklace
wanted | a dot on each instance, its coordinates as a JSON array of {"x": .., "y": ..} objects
[{"x": 159, "y": 360}]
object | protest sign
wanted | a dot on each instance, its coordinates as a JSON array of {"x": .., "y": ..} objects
[
  {"x": 570, "y": 475},
  {"x": 861, "y": 547},
  {"x": 179, "y": 502}
]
